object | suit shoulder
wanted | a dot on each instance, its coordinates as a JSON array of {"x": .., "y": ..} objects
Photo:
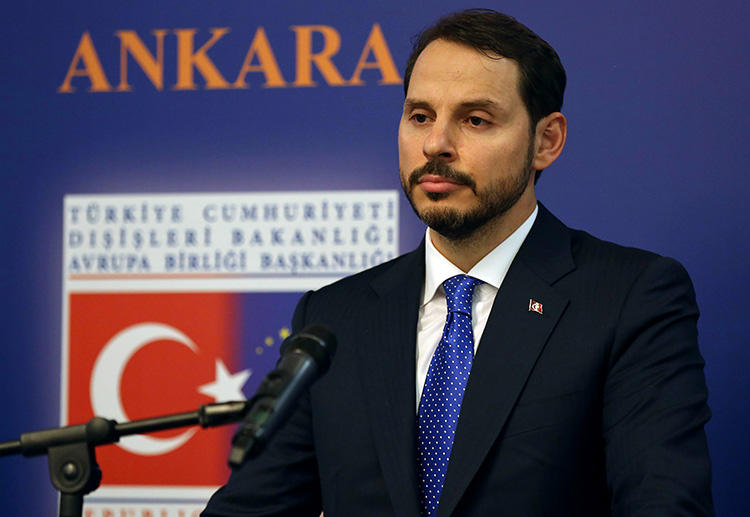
[
  {"x": 348, "y": 299},
  {"x": 363, "y": 280},
  {"x": 590, "y": 250},
  {"x": 619, "y": 267}
]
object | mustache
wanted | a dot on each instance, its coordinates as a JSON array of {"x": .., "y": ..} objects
[{"x": 442, "y": 169}]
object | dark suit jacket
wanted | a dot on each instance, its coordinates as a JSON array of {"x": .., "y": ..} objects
[{"x": 595, "y": 407}]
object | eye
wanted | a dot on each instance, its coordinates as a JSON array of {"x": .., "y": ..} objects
[
  {"x": 477, "y": 121},
  {"x": 419, "y": 118}
]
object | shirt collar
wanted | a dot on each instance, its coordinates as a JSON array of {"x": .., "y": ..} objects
[{"x": 490, "y": 270}]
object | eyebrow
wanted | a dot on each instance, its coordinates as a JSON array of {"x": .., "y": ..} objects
[
  {"x": 410, "y": 104},
  {"x": 485, "y": 104}
]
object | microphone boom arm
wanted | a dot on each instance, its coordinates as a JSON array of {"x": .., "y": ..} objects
[{"x": 71, "y": 450}]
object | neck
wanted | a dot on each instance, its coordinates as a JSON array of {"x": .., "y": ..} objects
[{"x": 467, "y": 251}]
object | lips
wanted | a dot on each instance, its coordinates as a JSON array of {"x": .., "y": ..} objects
[{"x": 437, "y": 184}]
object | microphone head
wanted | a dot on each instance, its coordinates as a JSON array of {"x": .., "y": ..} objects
[{"x": 315, "y": 340}]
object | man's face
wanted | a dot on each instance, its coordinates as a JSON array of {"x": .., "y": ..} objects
[{"x": 464, "y": 141}]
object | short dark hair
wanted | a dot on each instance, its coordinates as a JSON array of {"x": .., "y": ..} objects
[{"x": 542, "y": 83}]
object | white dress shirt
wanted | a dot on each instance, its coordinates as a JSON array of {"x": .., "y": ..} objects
[{"x": 433, "y": 312}]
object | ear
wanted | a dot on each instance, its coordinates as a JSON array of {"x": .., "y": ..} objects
[{"x": 549, "y": 140}]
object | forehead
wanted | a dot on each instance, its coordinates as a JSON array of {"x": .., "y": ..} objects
[{"x": 449, "y": 70}]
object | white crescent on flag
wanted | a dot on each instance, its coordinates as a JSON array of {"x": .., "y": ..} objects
[{"x": 107, "y": 375}]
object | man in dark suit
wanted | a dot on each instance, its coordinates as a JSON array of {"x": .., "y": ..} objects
[{"x": 586, "y": 394}]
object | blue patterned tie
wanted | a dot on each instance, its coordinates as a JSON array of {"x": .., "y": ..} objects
[{"x": 444, "y": 390}]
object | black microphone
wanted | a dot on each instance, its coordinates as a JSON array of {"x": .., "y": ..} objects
[{"x": 305, "y": 356}]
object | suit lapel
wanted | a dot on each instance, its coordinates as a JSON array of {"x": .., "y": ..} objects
[
  {"x": 511, "y": 343},
  {"x": 388, "y": 366}
]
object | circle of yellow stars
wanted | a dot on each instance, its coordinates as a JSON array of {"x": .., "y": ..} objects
[{"x": 270, "y": 341}]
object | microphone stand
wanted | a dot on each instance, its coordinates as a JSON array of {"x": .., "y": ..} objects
[{"x": 71, "y": 450}]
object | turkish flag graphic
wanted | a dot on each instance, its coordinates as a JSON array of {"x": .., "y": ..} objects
[{"x": 137, "y": 355}]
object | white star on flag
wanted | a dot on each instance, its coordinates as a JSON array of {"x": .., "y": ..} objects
[{"x": 227, "y": 386}]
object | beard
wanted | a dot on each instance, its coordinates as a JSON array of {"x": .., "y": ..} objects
[{"x": 493, "y": 201}]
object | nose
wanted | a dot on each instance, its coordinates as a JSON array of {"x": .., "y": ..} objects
[{"x": 439, "y": 143}]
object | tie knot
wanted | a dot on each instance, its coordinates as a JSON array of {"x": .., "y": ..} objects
[{"x": 458, "y": 292}]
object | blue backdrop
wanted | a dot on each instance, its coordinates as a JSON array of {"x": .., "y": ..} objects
[{"x": 656, "y": 104}]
